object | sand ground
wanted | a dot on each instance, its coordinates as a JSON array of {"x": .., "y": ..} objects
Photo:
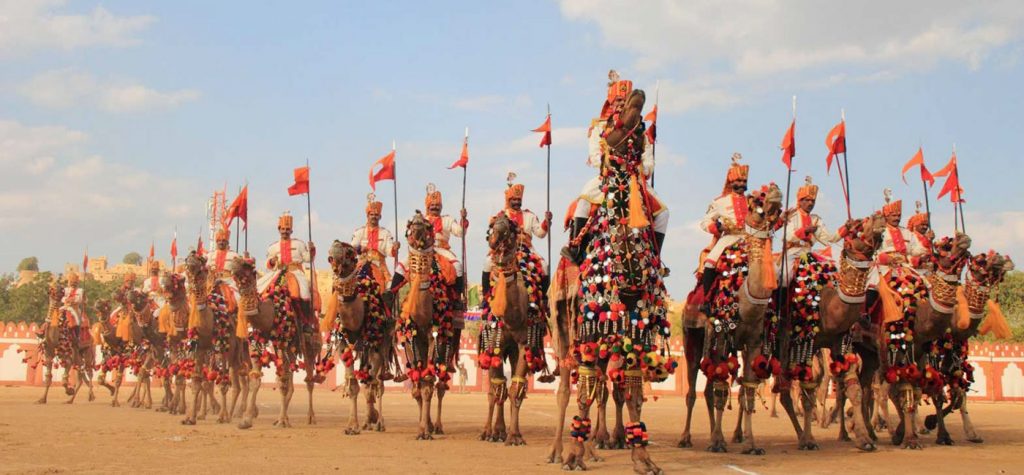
[{"x": 94, "y": 437}]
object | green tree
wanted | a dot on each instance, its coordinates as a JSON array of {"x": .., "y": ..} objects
[
  {"x": 132, "y": 258},
  {"x": 1011, "y": 299},
  {"x": 29, "y": 263},
  {"x": 27, "y": 303}
]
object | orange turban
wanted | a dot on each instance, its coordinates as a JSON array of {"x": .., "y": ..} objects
[
  {"x": 809, "y": 190},
  {"x": 514, "y": 191},
  {"x": 617, "y": 89},
  {"x": 736, "y": 172},
  {"x": 374, "y": 207},
  {"x": 285, "y": 221},
  {"x": 917, "y": 220},
  {"x": 433, "y": 197},
  {"x": 223, "y": 234}
]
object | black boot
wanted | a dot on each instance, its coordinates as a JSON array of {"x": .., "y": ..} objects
[
  {"x": 485, "y": 284},
  {"x": 659, "y": 240},
  {"x": 707, "y": 279},
  {"x": 397, "y": 281},
  {"x": 870, "y": 299},
  {"x": 576, "y": 253},
  {"x": 460, "y": 290}
]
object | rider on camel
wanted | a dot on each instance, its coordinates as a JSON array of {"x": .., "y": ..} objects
[
  {"x": 446, "y": 226},
  {"x": 375, "y": 243},
  {"x": 529, "y": 226},
  {"x": 217, "y": 261},
  {"x": 287, "y": 256},
  {"x": 74, "y": 305},
  {"x": 803, "y": 229},
  {"x": 597, "y": 147},
  {"x": 725, "y": 220},
  {"x": 920, "y": 225},
  {"x": 899, "y": 246}
]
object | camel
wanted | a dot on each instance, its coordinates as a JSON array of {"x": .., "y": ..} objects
[
  {"x": 116, "y": 345},
  {"x": 363, "y": 329},
  {"x": 149, "y": 346},
  {"x": 59, "y": 345},
  {"x": 737, "y": 320},
  {"x": 621, "y": 304},
  {"x": 853, "y": 365},
  {"x": 426, "y": 331},
  {"x": 513, "y": 329},
  {"x": 984, "y": 274},
  {"x": 274, "y": 325},
  {"x": 910, "y": 365}
]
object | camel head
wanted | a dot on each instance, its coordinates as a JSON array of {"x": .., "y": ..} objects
[
  {"x": 173, "y": 284},
  {"x": 502, "y": 237},
  {"x": 419, "y": 233},
  {"x": 56, "y": 291},
  {"x": 863, "y": 237},
  {"x": 344, "y": 258},
  {"x": 243, "y": 270},
  {"x": 764, "y": 207},
  {"x": 990, "y": 268},
  {"x": 102, "y": 309},
  {"x": 137, "y": 300},
  {"x": 194, "y": 264}
]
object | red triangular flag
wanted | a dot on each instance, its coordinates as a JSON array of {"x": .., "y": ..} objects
[
  {"x": 85, "y": 262},
  {"x": 836, "y": 143},
  {"x": 789, "y": 146},
  {"x": 152, "y": 251},
  {"x": 545, "y": 128},
  {"x": 239, "y": 209},
  {"x": 463, "y": 157},
  {"x": 386, "y": 171},
  {"x": 301, "y": 182},
  {"x": 926, "y": 176},
  {"x": 950, "y": 166},
  {"x": 652, "y": 117},
  {"x": 917, "y": 159},
  {"x": 952, "y": 185},
  {"x": 174, "y": 248},
  {"x": 199, "y": 247}
]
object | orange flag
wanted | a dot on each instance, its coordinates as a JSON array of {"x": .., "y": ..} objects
[
  {"x": 952, "y": 187},
  {"x": 301, "y": 182},
  {"x": 789, "y": 146},
  {"x": 239, "y": 209},
  {"x": 950, "y": 166},
  {"x": 85, "y": 262},
  {"x": 918, "y": 160},
  {"x": 545, "y": 128},
  {"x": 463, "y": 157},
  {"x": 199, "y": 247},
  {"x": 174, "y": 247},
  {"x": 652, "y": 117},
  {"x": 836, "y": 143},
  {"x": 386, "y": 171},
  {"x": 152, "y": 251}
]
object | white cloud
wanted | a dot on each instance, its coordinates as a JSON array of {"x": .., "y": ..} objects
[
  {"x": 728, "y": 50},
  {"x": 66, "y": 88},
  {"x": 493, "y": 102},
  {"x": 31, "y": 149},
  {"x": 32, "y": 25}
]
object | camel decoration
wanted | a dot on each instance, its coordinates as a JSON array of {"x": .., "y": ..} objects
[
  {"x": 621, "y": 300},
  {"x": 115, "y": 341},
  {"x": 149, "y": 346},
  {"x": 60, "y": 346},
  {"x": 276, "y": 336},
  {"x": 362, "y": 329},
  {"x": 977, "y": 313},
  {"x": 426, "y": 330},
  {"x": 514, "y": 324}
]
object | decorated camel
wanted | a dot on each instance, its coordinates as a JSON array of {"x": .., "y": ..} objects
[
  {"x": 149, "y": 346},
  {"x": 277, "y": 335},
  {"x": 621, "y": 300},
  {"x": 114, "y": 332},
  {"x": 514, "y": 323},
  {"x": 66, "y": 347},
  {"x": 362, "y": 329},
  {"x": 425, "y": 330},
  {"x": 977, "y": 313}
]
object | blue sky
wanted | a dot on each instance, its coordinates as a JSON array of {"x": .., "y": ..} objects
[{"x": 117, "y": 119}]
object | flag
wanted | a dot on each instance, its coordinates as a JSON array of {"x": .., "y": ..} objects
[
  {"x": 152, "y": 251},
  {"x": 926, "y": 176},
  {"x": 951, "y": 166},
  {"x": 652, "y": 117},
  {"x": 951, "y": 187},
  {"x": 545, "y": 128},
  {"x": 918, "y": 159},
  {"x": 174, "y": 248},
  {"x": 301, "y": 182},
  {"x": 463, "y": 157},
  {"x": 836, "y": 143},
  {"x": 788, "y": 146},
  {"x": 199, "y": 247},
  {"x": 85, "y": 262},
  {"x": 239, "y": 209},
  {"x": 386, "y": 171}
]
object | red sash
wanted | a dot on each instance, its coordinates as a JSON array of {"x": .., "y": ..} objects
[
  {"x": 923, "y": 240},
  {"x": 373, "y": 238},
  {"x": 437, "y": 222},
  {"x": 285, "y": 251},
  {"x": 739, "y": 208},
  {"x": 805, "y": 222},
  {"x": 514, "y": 215},
  {"x": 218, "y": 263},
  {"x": 897, "y": 240},
  {"x": 154, "y": 284}
]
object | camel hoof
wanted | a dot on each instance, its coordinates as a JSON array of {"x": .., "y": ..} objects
[
  {"x": 868, "y": 447},
  {"x": 924, "y": 431},
  {"x": 245, "y": 425},
  {"x": 574, "y": 463},
  {"x": 485, "y": 436},
  {"x": 547, "y": 378},
  {"x": 976, "y": 440},
  {"x": 737, "y": 438},
  {"x": 351, "y": 431},
  {"x": 115, "y": 404},
  {"x": 92, "y": 397},
  {"x": 844, "y": 437},
  {"x": 424, "y": 436},
  {"x": 913, "y": 445},
  {"x": 753, "y": 451},
  {"x": 717, "y": 449},
  {"x": 809, "y": 446},
  {"x": 380, "y": 427},
  {"x": 554, "y": 457},
  {"x": 515, "y": 440},
  {"x": 41, "y": 401},
  {"x": 188, "y": 422},
  {"x": 685, "y": 443},
  {"x": 944, "y": 440}
]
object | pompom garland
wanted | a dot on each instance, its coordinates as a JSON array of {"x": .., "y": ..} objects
[
  {"x": 636, "y": 434},
  {"x": 579, "y": 429}
]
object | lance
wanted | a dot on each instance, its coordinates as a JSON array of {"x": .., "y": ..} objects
[
  {"x": 654, "y": 143},
  {"x": 465, "y": 276},
  {"x": 394, "y": 183},
  {"x": 924, "y": 185},
  {"x": 309, "y": 230},
  {"x": 246, "y": 218},
  {"x": 959, "y": 201},
  {"x": 548, "y": 206},
  {"x": 783, "y": 302}
]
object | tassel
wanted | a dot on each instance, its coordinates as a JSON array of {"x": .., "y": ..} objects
[
  {"x": 193, "y": 314},
  {"x": 411, "y": 305},
  {"x": 891, "y": 302},
  {"x": 995, "y": 322},
  {"x": 242, "y": 324},
  {"x": 769, "y": 281},
  {"x": 961, "y": 313},
  {"x": 498, "y": 302},
  {"x": 97, "y": 338},
  {"x": 124, "y": 328},
  {"x": 637, "y": 216},
  {"x": 165, "y": 324},
  {"x": 55, "y": 318},
  {"x": 327, "y": 323}
]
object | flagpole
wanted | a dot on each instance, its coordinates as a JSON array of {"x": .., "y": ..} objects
[
  {"x": 238, "y": 227},
  {"x": 846, "y": 165},
  {"x": 959, "y": 202},
  {"x": 548, "y": 206},
  {"x": 654, "y": 143},
  {"x": 309, "y": 229},
  {"x": 246, "y": 229},
  {"x": 782, "y": 304},
  {"x": 395, "y": 190},
  {"x": 465, "y": 275}
]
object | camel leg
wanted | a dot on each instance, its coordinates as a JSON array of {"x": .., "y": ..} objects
[
  {"x": 378, "y": 391},
  {"x": 807, "y": 400},
  {"x": 853, "y": 391},
  {"x": 101, "y": 379},
  {"x": 310, "y": 383},
  {"x": 839, "y": 411},
  {"x": 353, "y": 395},
  {"x": 500, "y": 430},
  {"x": 720, "y": 395},
  {"x": 47, "y": 380},
  {"x": 198, "y": 392},
  {"x": 426, "y": 393},
  {"x": 78, "y": 385},
  {"x": 587, "y": 388},
  {"x": 969, "y": 430},
  {"x": 254, "y": 388},
  {"x": 634, "y": 399},
  {"x": 118, "y": 379},
  {"x": 618, "y": 439},
  {"x": 748, "y": 399},
  {"x": 685, "y": 440},
  {"x": 517, "y": 394},
  {"x": 441, "y": 389},
  {"x": 493, "y": 394},
  {"x": 786, "y": 399},
  {"x": 942, "y": 436},
  {"x": 601, "y": 438},
  {"x": 562, "y": 401},
  {"x": 737, "y": 433},
  {"x": 287, "y": 388}
]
